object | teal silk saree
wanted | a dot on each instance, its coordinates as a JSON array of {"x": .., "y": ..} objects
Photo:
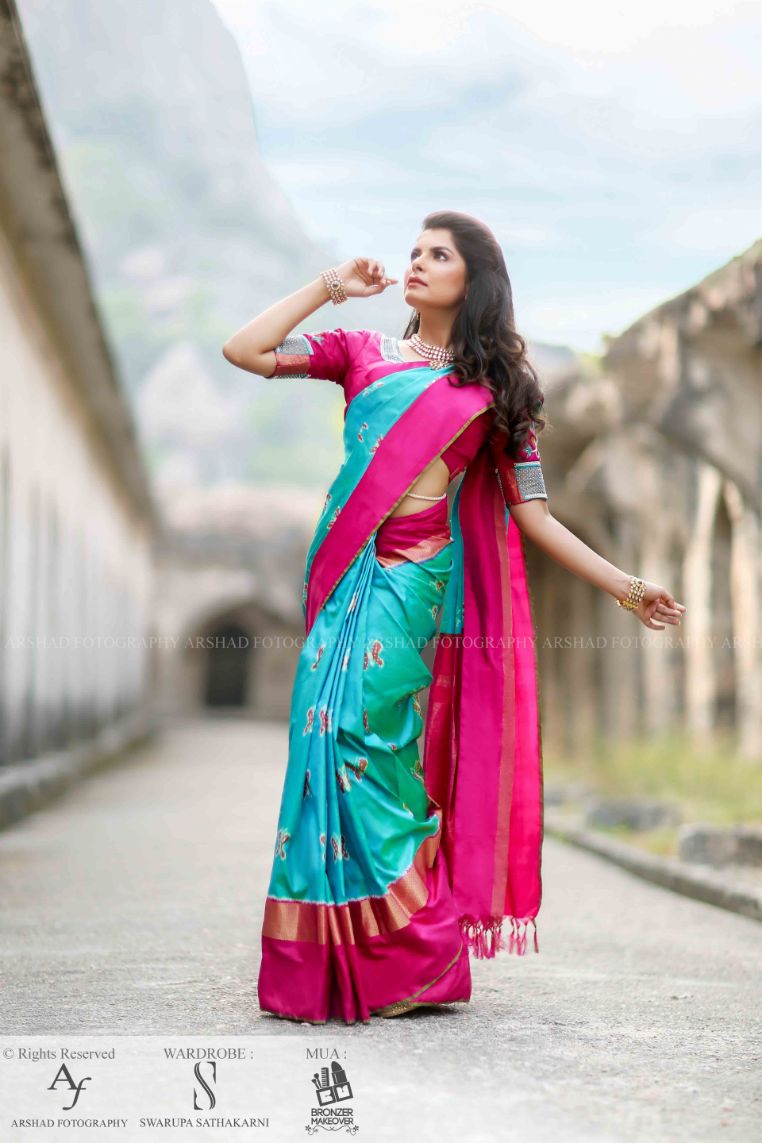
[{"x": 389, "y": 868}]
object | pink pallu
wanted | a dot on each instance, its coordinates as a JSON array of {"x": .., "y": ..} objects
[{"x": 482, "y": 746}]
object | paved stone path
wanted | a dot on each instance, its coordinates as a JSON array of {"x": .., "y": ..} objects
[{"x": 133, "y": 906}]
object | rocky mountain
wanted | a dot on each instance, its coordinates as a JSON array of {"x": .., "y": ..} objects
[{"x": 187, "y": 235}]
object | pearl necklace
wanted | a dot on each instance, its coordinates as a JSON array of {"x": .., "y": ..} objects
[{"x": 438, "y": 357}]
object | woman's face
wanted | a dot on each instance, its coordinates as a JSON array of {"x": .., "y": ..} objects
[{"x": 442, "y": 271}]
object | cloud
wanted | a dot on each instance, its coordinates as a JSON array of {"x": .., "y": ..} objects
[{"x": 615, "y": 148}]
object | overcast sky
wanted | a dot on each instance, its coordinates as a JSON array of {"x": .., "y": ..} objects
[{"x": 614, "y": 149}]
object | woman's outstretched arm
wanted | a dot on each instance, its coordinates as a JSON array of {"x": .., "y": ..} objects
[{"x": 537, "y": 523}]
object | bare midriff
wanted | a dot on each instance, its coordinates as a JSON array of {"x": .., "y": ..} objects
[{"x": 433, "y": 481}]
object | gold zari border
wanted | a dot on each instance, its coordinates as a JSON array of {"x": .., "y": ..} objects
[{"x": 355, "y": 921}]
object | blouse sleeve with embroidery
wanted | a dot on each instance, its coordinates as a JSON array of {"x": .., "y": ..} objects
[
  {"x": 522, "y": 479},
  {"x": 326, "y": 356}
]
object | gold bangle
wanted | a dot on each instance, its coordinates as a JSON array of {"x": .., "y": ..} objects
[
  {"x": 634, "y": 595},
  {"x": 335, "y": 286}
]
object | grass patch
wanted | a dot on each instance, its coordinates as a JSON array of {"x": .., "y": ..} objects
[
  {"x": 661, "y": 841},
  {"x": 710, "y": 784}
]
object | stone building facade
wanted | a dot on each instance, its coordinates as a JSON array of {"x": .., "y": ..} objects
[
  {"x": 77, "y": 518},
  {"x": 655, "y": 460}
]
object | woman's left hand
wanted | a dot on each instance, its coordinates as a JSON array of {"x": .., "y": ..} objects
[{"x": 658, "y": 603}]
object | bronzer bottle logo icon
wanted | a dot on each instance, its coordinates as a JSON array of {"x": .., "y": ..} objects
[{"x": 332, "y": 1087}]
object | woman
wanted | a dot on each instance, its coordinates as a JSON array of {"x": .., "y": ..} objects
[{"x": 388, "y": 870}]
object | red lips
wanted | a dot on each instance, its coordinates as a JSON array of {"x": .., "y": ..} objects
[{"x": 415, "y": 281}]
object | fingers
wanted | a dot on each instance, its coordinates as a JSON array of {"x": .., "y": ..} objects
[
  {"x": 659, "y": 604},
  {"x": 670, "y": 614},
  {"x": 669, "y": 599},
  {"x": 665, "y": 606},
  {"x": 660, "y": 610},
  {"x": 671, "y": 609},
  {"x": 373, "y": 273},
  {"x": 369, "y": 268}
]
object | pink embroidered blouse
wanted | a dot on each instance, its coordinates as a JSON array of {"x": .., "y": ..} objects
[{"x": 354, "y": 358}]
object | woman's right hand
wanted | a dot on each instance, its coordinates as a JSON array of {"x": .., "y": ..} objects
[
  {"x": 364, "y": 277},
  {"x": 658, "y": 603}
]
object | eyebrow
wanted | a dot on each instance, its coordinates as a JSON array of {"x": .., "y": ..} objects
[{"x": 435, "y": 248}]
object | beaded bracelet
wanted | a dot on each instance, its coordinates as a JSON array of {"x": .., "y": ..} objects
[
  {"x": 634, "y": 595},
  {"x": 335, "y": 286}
]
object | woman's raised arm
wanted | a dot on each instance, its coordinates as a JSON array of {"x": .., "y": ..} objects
[{"x": 252, "y": 347}]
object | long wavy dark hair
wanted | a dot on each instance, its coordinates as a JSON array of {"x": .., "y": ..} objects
[{"x": 487, "y": 347}]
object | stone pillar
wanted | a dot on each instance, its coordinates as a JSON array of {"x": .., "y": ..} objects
[
  {"x": 621, "y": 678},
  {"x": 544, "y": 589},
  {"x": 746, "y": 572},
  {"x": 699, "y": 674},
  {"x": 583, "y": 713},
  {"x": 656, "y": 653}
]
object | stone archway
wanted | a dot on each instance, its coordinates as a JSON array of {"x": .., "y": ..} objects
[
  {"x": 232, "y": 659},
  {"x": 227, "y": 667}
]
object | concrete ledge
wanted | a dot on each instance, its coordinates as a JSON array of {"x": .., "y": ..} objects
[
  {"x": 701, "y": 884},
  {"x": 26, "y": 786}
]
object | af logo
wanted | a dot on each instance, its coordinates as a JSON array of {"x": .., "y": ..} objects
[{"x": 67, "y": 1077}]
